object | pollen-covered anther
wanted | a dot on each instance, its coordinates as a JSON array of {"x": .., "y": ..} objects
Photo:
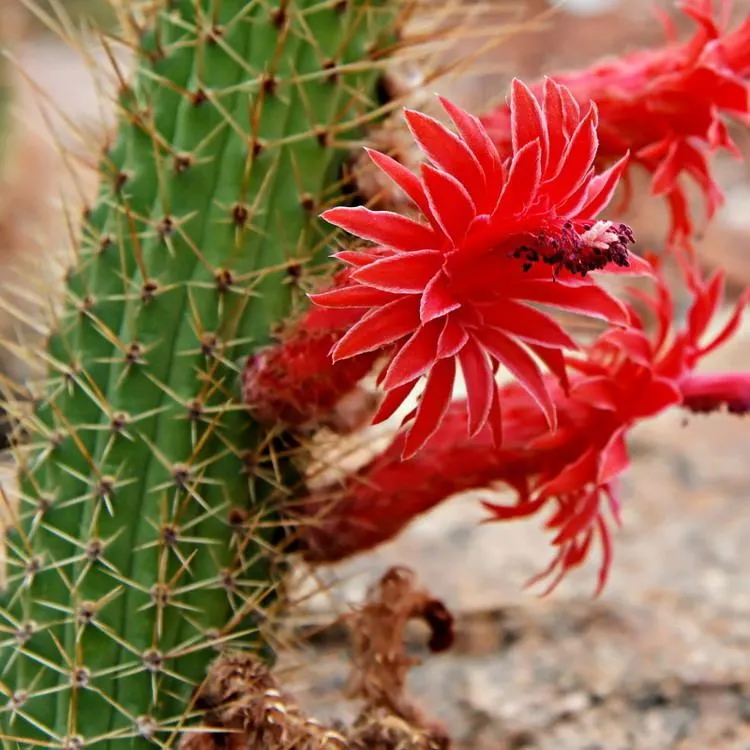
[
  {"x": 579, "y": 252},
  {"x": 611, "y": 239}
]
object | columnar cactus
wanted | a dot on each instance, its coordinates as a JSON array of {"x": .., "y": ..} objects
[{"x": 147, "y": 493}]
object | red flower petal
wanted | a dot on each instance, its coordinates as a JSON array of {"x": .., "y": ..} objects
[
  {"x": 705, "y": 305},
  {"x": 393, "y": 401},
  {"x": 437, "y": 301},
  {"x": 614, "y": 458},
  {"x": 584, "y": 517},
  {"x": 555, "y": 363},
  {"x": 667, "y": 172},
  {"x": 379, "y": 327},
  {"x": 572, "y": 478},
  {"x": 433, "y": 405},
  {"x": 527, "y": 123},
  {"x": 589, "y": 299},
  {"x": 660, "y": 395},
  {"x": 637, "y": 266},
  {"x": 446, "y": 150},
  {"x": 495, "y": 418},
  {"x": 523, "y": 182},
  {"x": 597, "y": 392},
  {"x": 415, "y": 357},
  {"x": 352, "y": 296},
  {"x": 452, "y": 339},
  {"x": 571, "y": 111},
  {"x": 406, "y": 273},
  {"x": 633, "y": 343},
  {"x": 606, "y": 555},
  {"x": 602, "y": 187},
  {"x": 730, "y": 328},
  {"x": 527, "y": 324},
  {"x": 480, "y": 384},
  {"x": 384, "y": 227},
  {"x": 555, "y": 117},
  {"x": 357, "y": 258},
  {"x": 576, "y": 161},
  {"x": 510, "y": 512},
  {"x": 451, "y": 204},
  {"x": 522, "y": 366},
  {"x": 405, "y": 179},
  {"x": 477, "y": 139}
]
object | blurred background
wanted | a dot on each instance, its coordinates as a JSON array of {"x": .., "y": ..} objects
[{"x": 662, "y": 659}]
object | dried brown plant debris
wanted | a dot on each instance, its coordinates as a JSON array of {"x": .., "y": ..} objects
[
  {"x": 381, "y": 664},
  {"x": 243, "y": 707}
]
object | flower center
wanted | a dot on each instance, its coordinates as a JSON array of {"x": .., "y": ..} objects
[{"x": 592, "y": 249}]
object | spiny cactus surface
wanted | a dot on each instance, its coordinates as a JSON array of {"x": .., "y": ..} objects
[{"x": 146, "y": 510}]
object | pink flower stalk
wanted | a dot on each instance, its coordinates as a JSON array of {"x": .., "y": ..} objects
[
  {"x": 666, "y": 106},
  {"x": 625, "y": 376},
  {"x": 499, "y": 237}
]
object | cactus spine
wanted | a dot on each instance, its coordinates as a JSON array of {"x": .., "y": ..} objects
[{"x": 146, "y": 509}]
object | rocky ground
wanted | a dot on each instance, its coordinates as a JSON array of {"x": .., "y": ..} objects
[{"x": 662, "y": 659}]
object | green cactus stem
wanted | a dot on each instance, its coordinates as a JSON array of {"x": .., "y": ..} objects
[{"x": 147, "y": 505}]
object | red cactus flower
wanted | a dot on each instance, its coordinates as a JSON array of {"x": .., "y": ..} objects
[
  {"x": 499, "y": 238},
  {"x": 625, "y": 376},
  {"x": 666, "y": 106}
]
